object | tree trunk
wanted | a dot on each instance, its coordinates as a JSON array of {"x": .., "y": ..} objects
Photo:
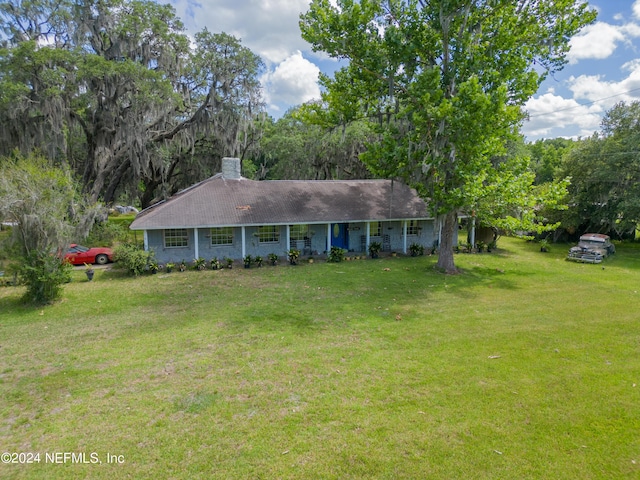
[{"x": 445, "y": 255}]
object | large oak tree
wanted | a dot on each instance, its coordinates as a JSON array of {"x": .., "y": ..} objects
[
  {"x": 444, "y": 79},
  {"x": 119, "y": 91}
]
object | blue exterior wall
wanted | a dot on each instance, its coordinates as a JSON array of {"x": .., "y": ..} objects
[
  {"x": 427, "y": 236},
  {"x": 155, "y": 239}
]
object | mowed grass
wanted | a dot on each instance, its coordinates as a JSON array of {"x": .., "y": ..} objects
[{"x": 524, "y": 366}]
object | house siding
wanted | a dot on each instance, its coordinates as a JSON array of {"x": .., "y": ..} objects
[{"x": 164, "y": 254}]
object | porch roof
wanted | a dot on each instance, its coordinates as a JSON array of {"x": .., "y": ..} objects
[{"x": 220, "y": 201}]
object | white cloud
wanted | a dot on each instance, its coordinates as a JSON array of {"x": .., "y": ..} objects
[
  {"x": 595, "y": 88},
  {"x": 593, "y": 95},
  {"x": 294, "y": 81},
  {"x": 268, "y": 27},
  {"x": 595, "y": 41},
  {"x": 636, "y": 9},
  {"x": 550, "y": 113}
]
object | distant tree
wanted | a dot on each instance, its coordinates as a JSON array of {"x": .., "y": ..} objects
[
  {"x": 43, "y": 204},
  {"x": 510, "y": 199},
  {"x": 605, "y": 175},
  {"x": 547, "y": 156},
  {"x": 444, "y": 81},
  {"x": 294, "y": 148}
]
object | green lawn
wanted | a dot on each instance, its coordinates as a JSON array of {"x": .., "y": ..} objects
[{"x": 525, "y": 366}]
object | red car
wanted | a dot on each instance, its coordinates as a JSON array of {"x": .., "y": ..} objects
[{"x": 79, "y": 255}]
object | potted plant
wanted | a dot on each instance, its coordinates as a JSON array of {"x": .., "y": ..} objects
[
  {"x": 416, "y": 249},
  {"x": 199, "y": 263},
  {"x": 258, "y": 260},
  {"x": 215, "y": 263},
  {"x": 544, "y": 245},
  {"x": 248, "y": 260},
  {"x": 153, "y": 267},
  {"x": 336, "y": 255},
  {"x": 374, "y": 249},
  {"x": 170, "y": 266},
  {"x": 481, "y": 246},
  {"x": 293, "y": 255},
  {"x": 273, "y": 259},
  {"x": 229, "y": 262},
  {"x": 183, "y": 266},
  {"x": 89, "y": 272}
]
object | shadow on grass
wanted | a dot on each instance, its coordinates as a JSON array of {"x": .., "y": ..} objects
[
  {"x": 306, "y": 298},
  {"x": 11, "y": 302},
  {"x": 627, "y": 256}
]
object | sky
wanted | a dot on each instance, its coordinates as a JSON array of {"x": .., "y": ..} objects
[{"x": 603, "y": 68}]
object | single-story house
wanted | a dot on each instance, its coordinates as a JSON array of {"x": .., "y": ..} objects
[{"x": 231, "y": 216}]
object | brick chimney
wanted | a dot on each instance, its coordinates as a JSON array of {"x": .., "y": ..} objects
[{"x": 231, "y": 168}]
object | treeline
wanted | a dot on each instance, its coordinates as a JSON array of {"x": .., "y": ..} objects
[
  {"x": 118, "y": 94},
  {"x": 604, "y": 173}
]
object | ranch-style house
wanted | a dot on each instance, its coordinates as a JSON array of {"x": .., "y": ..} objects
[{"x": 231, "y": 216}]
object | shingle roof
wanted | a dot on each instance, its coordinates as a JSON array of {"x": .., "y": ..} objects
[{"x": 219, "y": 201}]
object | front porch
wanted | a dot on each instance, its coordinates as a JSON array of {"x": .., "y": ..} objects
[{"x": 236, "y": 242}]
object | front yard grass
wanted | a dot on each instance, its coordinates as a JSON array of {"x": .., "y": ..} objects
[{"x": 524, "y": 366}]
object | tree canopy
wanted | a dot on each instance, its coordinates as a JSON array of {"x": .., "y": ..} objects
[
  {"x": 294, "y": 148},
  {"x": 115, "y": 88},
  {"x": 444, "y": 81},
  {"x": 605, "y": 175}
]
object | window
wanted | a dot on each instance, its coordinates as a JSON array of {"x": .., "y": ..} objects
[
  {"x": 176, "y": 237},
  {"x": 412, "y": 227},
  {"x": 375, "y": 229},
  {"x": 299, "y": 232},
  {"x": 222, "y": 236},
  {"x": 269, "y": 234}
]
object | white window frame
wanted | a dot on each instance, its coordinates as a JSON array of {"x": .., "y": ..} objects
[
  {"x": 221, "y": 236},
  {"x": 179, "y": 238},
  {"x": 269, "y": 236}
]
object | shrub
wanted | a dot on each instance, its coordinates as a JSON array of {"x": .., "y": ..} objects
[
  {"x": 44, "y": 275},
  {"x": 293, "y": 255},
  {"x": 416, "y": 249},
  {"x": 336, "y": 255},
  {"x": 374, "y": 249},
  {"x": 132, "y": 258}
]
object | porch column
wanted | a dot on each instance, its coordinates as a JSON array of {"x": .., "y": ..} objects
[
  {"x": 368, "y": 240},
  {"x": 145, "y": 237},
  {"x": 328, "y": 237},
  {"x": 196, "y": 247},
  {"x": 404, "y": 237},
  {"x": 288, "y": 237},
  {"x": 244, "y": 245}
]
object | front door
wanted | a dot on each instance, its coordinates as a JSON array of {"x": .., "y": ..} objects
[{"x": 340, "y": 235}]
